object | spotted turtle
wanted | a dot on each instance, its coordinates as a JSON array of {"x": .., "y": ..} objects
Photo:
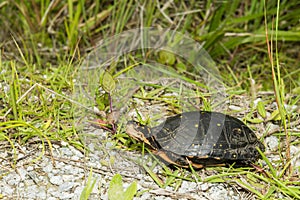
[{"x": 200, "y": 139}]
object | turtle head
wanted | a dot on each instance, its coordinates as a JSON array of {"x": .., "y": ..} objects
[{"x": 138, "y": 132}]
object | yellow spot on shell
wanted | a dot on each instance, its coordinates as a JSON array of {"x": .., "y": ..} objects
[{"x": 196, "y": 125}]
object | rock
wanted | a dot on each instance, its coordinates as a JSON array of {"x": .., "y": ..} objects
[
  {"x": 235, "y": 108},
  {"x": 218, "y": 192},
  {"x": 272, "y": 143},
  {"x": 66, "y": 151},
  {"x": 204, "y": 186},
  {"x": 7, "y": 190},
  {"x": 56, "y": 180},
  {"x": 66, "y": 186},
  {"x": 48, "y": 168},
  {"x": 12, "y": 179}
]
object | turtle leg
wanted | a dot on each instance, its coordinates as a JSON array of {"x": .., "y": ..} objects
[
  {"x": 165, "y": 156},
  {"x": 195, "y": 165},
  {"x": 177, "y": 160}
]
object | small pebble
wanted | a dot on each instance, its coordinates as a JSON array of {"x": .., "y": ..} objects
[
  {"x": 56, "y": 180},
  {"x": 30, "y": 168},
  {"x": 272, "y": 143},
  {"x": 6, "y": 190},
  {"x": 66, "y": 186},
  {"x": 12, "y": 179},
  {"x": 204, "y": 186},
  {"x": 255, "y": 102},
  {"x": 64, "y": 144},
  {"x": 235, "y": 108}
]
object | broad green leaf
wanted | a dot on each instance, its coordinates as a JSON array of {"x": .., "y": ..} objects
[
  {"x": 166, "y": 57},
  {"x": 254, "y": 120},
  {"x": 115, "y": 191},
  {"x": 275, "y": 115},
  {"x": 108, "y": 83},
  {"x": 88, "y": 188},
  {"x": 181, "y": 67},
  {"x": 130, "y": 191},
  {"x": 100, "y": 104},
  {"x": 102, "y": 100},
  {"x": 261, "y": 109}
]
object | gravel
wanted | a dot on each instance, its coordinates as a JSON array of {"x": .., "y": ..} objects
[{"x": 38, "y": 177}]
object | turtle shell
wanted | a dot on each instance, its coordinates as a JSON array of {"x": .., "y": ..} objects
[{"x": 200, "y": 138}]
